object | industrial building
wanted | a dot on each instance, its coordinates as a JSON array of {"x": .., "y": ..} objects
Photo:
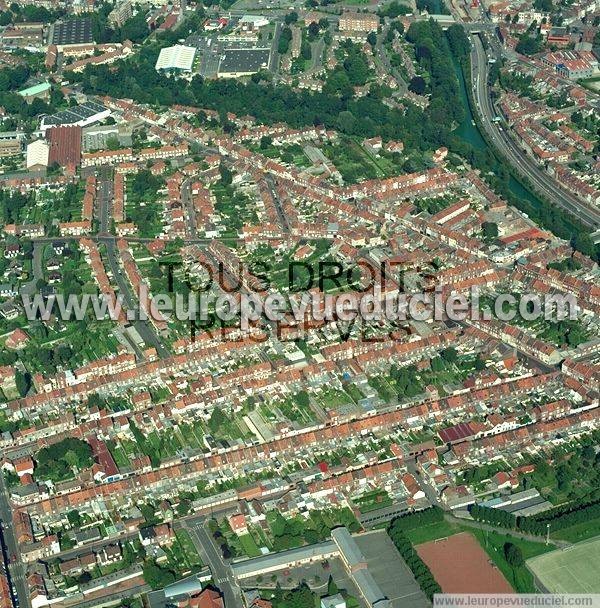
[
  {"x": 38, "y": 153},
  {"x": 243, "y": 62},
  {"x": 72, "y": 32},
  {"x": 97, "y": 137},
  {"x": 178, "y": 58},
  {"x": 65, "y": 146},
  {"x": 81, "y": 116},
  {"x": 358, "y": 567},
  {"x": 41, "y": 91}
]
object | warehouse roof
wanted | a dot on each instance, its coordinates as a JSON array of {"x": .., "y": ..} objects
[
  {"x": 36, "y": 89},
  {"x": 178, "y": 57},
  {"x": 244, "y": 61},
  {"x": 73, "y": 31},
  {"x": 75, "y": 114}
]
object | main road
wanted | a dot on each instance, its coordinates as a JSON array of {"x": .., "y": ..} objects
[
  {"x": 16, "y": 567},
  {"x": 143, "y": 327},
  {"x": 221, "y": 572},
  {"x": 517, "y": 157}
]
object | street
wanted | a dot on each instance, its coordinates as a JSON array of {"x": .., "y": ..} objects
[
  {"x": 16, "y": 568},
  {"x": 518, "y": 158},
  {"x": 144, "y": 328},
  {"x": 222, "y": 575}
]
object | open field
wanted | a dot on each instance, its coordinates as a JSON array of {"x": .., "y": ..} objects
[
  {"x": 579, "y": 532},
  {"x": 431, "y": 532},
  {"x": 572, "y": 570},
  {"x": 460, "y": 565}
]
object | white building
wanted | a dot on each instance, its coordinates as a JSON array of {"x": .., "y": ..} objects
[
  {"x": 37, "y": 155},
  {"x": 178, "y": 57},
  {"x": 333, "y": 601},
  {"x": 253, "y": 22}
]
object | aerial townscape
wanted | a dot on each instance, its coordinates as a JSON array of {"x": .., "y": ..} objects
[{"x": 229, "y": 154}]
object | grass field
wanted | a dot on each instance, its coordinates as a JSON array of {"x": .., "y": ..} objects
[
  {"x": 572, "y": 570},
  {"x": 249, "y": 545},
  {"x": 520, "y": 578},
  {"x": 579, "y": 532},
  {"x": 190, "y": 554},
  {"x": 425, "y": 534}
]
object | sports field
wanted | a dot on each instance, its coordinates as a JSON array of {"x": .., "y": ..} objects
[
  {"x": 572, "y": 570},
  {"x": 460, "y": 565}
]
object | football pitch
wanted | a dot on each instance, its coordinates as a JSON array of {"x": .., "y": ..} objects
[{"x": 572, "y": 570}]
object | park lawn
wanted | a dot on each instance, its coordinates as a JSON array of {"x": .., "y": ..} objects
[
  {"x": 177, "y": 559},
  {"x": 188, "y": 547},
  {"x": 295, "y": 412},
  {"x": 111, "y": 568},
  {"x": 351, "y": 161},
  {"x": 187, "y": 436},
  {"x": 147, "y": 216},
  {"x": 235, "y": 208},
  {"x": 578, "y": 532},
  {"x": 170, "y": 444},
  {"x": 262, "y": 537},
  {"x": 519, "y": 578},
  {"x": 435, "y": 204},
  {"x": 249, "y": 546}
]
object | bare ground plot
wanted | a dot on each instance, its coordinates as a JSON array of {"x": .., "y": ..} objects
[{"x": 460, "y": 565}]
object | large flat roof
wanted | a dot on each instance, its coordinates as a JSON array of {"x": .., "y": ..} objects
[
  {"x": 35, "y": 89},
  {"x": 65, "y": 146},
  {"x": 244, "y": 61},
  {"x": 178, "y": 57},
  {"x": 73, "y": 31},
  {"x": 74, "y": 114},
  {"x": 348, "y": 547},
  {"x": 281, "y": 560}
]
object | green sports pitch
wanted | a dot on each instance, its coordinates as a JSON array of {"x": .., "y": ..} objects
[{"x": 572, "y": 570}]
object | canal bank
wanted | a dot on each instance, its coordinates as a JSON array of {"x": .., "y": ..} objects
[{"x": 469, "y": 131}]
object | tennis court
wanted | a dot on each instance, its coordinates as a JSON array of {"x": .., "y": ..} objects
[{"x": 572, "y": 570}]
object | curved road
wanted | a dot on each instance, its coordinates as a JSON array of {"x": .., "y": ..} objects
[{"x": 523, "y": 163}]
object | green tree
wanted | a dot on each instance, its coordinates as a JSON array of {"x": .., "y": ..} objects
[
  {"x": 458, "y": 41},
  {"x": 513, "y": 555},
  {"x": 135, "y": 28},
  {"x": 112, "y": 143},
  {"x": 23, "y": 382},
  {"x": 226, "y": 175},
  {"x": 74, "y": 518},
  {"x": 417, "y": 85},
  {"x": 489, "y": 230},
  {"x": 156, "y": 576}
]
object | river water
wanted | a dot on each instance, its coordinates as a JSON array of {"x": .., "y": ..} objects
[{"x": 468, "y": 131}]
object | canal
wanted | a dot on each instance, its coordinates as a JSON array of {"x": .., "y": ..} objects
[{"x": 469, "y": 131}]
